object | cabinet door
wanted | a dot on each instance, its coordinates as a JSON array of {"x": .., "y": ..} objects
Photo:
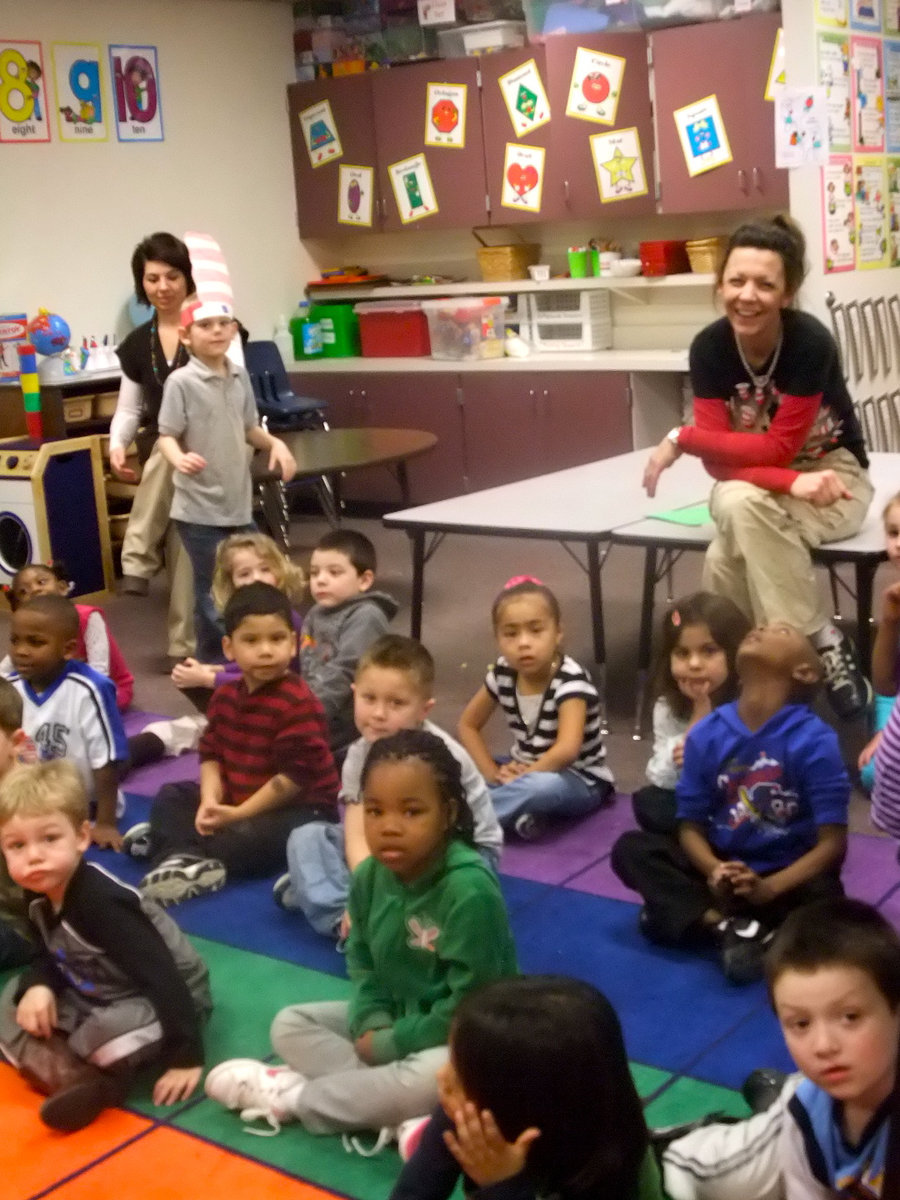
[
  {"x": 503, "y": 426},
  {"x": 499, "y": 131},
  {"x": 729, "y": 59},
  {"x": 586, "y": 416},
  {"x": 572, "y": 135},
  {"x": 403, "y": 121},
  {"x": 317, "y": 187}
]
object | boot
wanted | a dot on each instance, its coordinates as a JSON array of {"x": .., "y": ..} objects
[{"x": 76, "y": 1090}]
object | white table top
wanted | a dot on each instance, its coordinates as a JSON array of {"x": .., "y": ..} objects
[{"x": 581, "y": 502}]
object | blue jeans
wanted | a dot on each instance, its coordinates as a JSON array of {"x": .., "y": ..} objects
[
  {"x": 201, "y": 543},
  {"x": 553, "y": 793},
  {"x": 881, "y": 712}
]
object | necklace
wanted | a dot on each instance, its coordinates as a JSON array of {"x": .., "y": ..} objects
[
  {"x": 760, "y": 381},
  {"x": 178, "y": 361}
]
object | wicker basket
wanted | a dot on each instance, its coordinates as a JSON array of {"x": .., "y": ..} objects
[
  {"x": 705, "y": 254},
  {"x": 501, "y": 263}
]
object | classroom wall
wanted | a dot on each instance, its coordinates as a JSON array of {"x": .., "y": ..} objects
[{"x": 72, "y": 213}]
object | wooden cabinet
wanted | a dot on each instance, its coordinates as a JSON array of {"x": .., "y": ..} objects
[{"x": 731, "y": 60}]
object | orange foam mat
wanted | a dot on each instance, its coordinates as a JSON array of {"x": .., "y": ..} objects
[
  {"x": 170, "y": 1165},
  {"x": 33, "y": 1157}
]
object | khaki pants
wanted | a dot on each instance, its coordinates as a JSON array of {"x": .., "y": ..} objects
[
  {"x": 761, "y": 554},
  {"x": 151, "y": 540}
]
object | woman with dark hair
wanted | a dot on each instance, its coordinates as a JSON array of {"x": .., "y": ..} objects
[
  {"x": 161, "y": 268},
  {"x": 774, "y": 425}
]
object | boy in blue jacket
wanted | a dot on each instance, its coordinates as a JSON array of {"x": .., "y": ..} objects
[{"x": 762, "y": 810}]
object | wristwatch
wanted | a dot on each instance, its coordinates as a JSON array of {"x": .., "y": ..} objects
[{"x": 672, "y": 435}]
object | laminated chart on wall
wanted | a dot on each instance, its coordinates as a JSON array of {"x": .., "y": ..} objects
[
  {"x": 892, "y": 95},
  {"x": 619, "y": 165},
  {"x": 865, "y": 15},
  {"x": 893, "y": 186},
  {"x": 777, "y": 76},
  {"x": 801, "y": 127},
  {"x": 320, "y": 133},
  {"x": 892, "y": 18},
  {"x": 595, "y": 87},
  {"x": 356, "y": 188},
  {"x": 701, "y": 131},
  {"x": 413, "y": 189},
  {"x": 868, "y": 95},
  {"x": 833, "y": 73},
  {"x": 523, "y": 177},
  {"x": 445, "y": 115},
  {"x": 80, "y": 109},
  {"x": 137, "y": 101},
  {"x": 870, "y": 195},
  {"x": 838, "y": 214},
  {"x": 833, "y": 12},
  {"x": 23, "y": 93},
  {"x": 525, "y": 98}
]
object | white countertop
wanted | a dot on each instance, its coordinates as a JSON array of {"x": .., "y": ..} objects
[
  {"x": 673, "y": 361},
  {"x": 476, "y": 287}
]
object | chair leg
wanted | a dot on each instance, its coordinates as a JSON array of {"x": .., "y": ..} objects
[{"x": 328, "y": 500}]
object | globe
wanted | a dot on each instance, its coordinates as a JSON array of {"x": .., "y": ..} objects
[{"x": 49, "y": 333}]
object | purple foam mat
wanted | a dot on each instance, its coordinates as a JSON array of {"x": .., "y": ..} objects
[
  {"x": 870, "y": 869},
  {"x": 890, "y": 908},
  {"x": 569, "y": 847},
  {"x": 146, "y": 781}
]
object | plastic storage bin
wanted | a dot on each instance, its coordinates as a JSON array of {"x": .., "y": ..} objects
[
  {"x": 573, "y": 320},
  {"x": 463, "y": 327},
  {"x": 480, "y": 39},
  {"x": 664, "y": 258},
  {"x": 340, "y": 329},
  {"x": 393, "y": 330}
]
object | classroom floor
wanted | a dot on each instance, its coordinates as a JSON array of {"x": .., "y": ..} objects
[{"x": 691, "y": 1041}]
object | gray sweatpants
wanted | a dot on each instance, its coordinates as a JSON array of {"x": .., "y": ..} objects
[{"x": 344, "y": 1094}]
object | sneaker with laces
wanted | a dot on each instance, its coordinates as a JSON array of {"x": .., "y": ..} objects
[
  {"x": 179, "y": 735},
  {"x": 849, "y": 692},
  {"x": 257, "y": 1090},
  {"x": 136, "y": 840},
  {"x": 407, "y": 1135},
  {"x": 530, "y": 826},
  {"x": 181, "y": 877},
  {"x": 762, "y": 1088},
  {"x": 742, "y": 948}
]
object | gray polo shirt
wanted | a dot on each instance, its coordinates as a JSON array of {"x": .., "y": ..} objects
[{"x": 210, "y": 414}]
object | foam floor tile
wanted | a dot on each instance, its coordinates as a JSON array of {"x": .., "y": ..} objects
[
  {"x": 890, "y": 905},
  {"x": 755, "y": 1042},
  {"x": 870, "y": 870},
  {"x": 601, "y": 880},
  {"x": 648, "y": 1080},
  {"x": 168, "y": 1164},
  {"x": 568, "y": 846},
  {"x": 33, "y": 1157},
  {"x": 146, "y": 781},
  {"x": 689, "y": 1099}
]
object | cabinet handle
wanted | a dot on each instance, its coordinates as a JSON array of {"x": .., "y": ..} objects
[
  {"x": 742, "y": 180},
  {"x": 757, "y": 179},
  {"x": 566, "y": 191}
]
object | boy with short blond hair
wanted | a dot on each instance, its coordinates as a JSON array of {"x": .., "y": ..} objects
[
  {"x": 393, "y": 691},
  {"x": 115, "y": 984},
  {"x": 15, "y": 947}
]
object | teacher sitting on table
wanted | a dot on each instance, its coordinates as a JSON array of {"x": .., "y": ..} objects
[
  {"x": 149, "y": 354},
  {"x": 774, "y": 424}
]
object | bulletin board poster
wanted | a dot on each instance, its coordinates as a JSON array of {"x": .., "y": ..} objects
[
  {"x": 832, "y": 12},
  {"x": 892, "y": 95},
  {"x": 892, "y": 17},
  {"x": 80, "y": 105},
  {"x": 525, "y": 98},
  {"x": 701, "y": 131},
  {"x": 870, "y": 194},
  {"x": 23, "y": 93},
  {"x": 356, "y": 189},
  {"x": 523, "y": 177},
  {"x": 136, "y": 93},
  {"x": 865, "y": 15},
  {"x": 868, "y": 95},
  {"x": 619, "y": 165},
  {"x": 838, "y": 214},
  {"x": 801, "y": 127},
  {"x": 893, "y": 177},
  {"x": 445, "y": 115},
  {"x": 833, "y": 72},
  {"x": 413, "y": 189},
  {"x": 595, "y": 87},
  {"x": 320, "y": 134}
]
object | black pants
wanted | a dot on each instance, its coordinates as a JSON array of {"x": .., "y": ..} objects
[
  {"x": 676, "y": 894},
  {"x": 654, "y": 809},
  {"x": 251, "y": 847}
]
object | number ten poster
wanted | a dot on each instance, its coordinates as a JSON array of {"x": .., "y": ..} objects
[
  {"x": 135, "y": 81},
  {"x": 23, "y": 93}
]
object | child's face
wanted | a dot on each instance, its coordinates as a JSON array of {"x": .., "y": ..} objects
[
  {"x": 452, "y": 1096},
  {"x": 209, "y": 338},
  {"x": 42, "y": 852},
  {"x": 697, "y": 660},
  {"x": 779, "y": 646},
  {"x": 334, "y": 579},
  {"x": 38, "y": 581},
  {"x": 527, "y": 634},
  {"x": 892, "y": 534},
  {"x": 405, "y": 820},
  {"x": 262, "y": 646},
  {"x": 37, "y": 646},
  {"x": 249, "y": 567},
  {"x": 841, "y": 1032},
  {"x": 386, "y": 700}
]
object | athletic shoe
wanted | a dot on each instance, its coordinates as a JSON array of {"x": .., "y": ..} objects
[
  {"x": 762, "y": 1088},
  {"x": 136, "y": 840},
  {"x": 530, "y": 826},
  {"x": 180, "y": 735},
  {"x": 743, "y": 947},
  {"x": 255, "y": 1089},
  {"x": 849, "y": 692},
  {"x": 280, "y": 892},
  {"x": 181, "y": 877},
  {"x": 407, "y": 1135},
  {"x": 134, "y": 585}
]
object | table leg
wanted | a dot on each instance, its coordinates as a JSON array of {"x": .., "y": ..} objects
[
  {"x": 865, "y": 577},
  {"x": 645, "y": 638},
  {"x": 596, "y": 600},
  {"x": 417, "y": 541},
  {"x": 403, "y": 480}
]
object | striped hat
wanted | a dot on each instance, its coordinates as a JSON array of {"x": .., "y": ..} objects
[{"x": 199, "y": 310}]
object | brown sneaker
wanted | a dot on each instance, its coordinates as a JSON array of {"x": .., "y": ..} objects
[{"x": 134, "y": 585}]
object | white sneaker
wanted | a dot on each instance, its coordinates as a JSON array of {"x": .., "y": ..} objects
[
  {"x": 407, "y": 1135},
  {"x": 181, "y": 877},
  {"x": 257, "y": 1090},
  {"x": 180, "y": 735}
]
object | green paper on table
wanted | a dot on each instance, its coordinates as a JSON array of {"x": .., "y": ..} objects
[{"x": 692, "y": 514}]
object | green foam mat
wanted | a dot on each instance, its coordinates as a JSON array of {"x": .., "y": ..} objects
[{"x": 688, "y": 1099}]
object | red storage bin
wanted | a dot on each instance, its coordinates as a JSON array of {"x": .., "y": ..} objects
[
  {"x": 664, "y": 258},
  {"x": 393, "y": 330}
]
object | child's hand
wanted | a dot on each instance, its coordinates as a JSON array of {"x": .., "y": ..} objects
[
  {"x": 720, "y": 879},
  {"x": 890, "y": 603},
  {"x": 191, "y": 673},
  {"x": 36, "y": 1011},
  {"x": 344, "y": 929},
  {"x": 481, "y": 1150},
  {"x": 212, "y": 816},
  {"x": 752, "y": 887},
  {"x": 363, "y": 1047},
  {"x": 678, "y": 754},
  {"x": 118, "y": 460},
  {"x": 190, "y": 463},
  {"x": 507, "y": 772},
  {"x": 868, "y": 751},
  {"x": 281, "y": 459},
  {"x": 176, "y": 1084},
  {"x": 107, "y": 837}
]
